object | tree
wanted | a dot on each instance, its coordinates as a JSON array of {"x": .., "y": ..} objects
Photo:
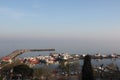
[
  {"x": 87, "y": 71},
  {"x": 64, "y": 66},
  {"x": 75, "y": 66},
  {"x": 42, "y": 72},
  {"x": 24, "y": 70}
]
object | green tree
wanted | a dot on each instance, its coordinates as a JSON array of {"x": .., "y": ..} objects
[
  {"x": 1, "y": 78},
  {"x": 87, "y": 71},
  {"x": 75, "y": 66},
  {"x": 64, "y": 66},
  {"x": 42, "y": 71},
  {"x": 24, "y": 70}
]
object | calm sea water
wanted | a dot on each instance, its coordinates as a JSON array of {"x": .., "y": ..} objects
[{"x": 8, "y": 47}]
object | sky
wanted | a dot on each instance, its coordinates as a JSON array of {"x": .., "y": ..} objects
[{"x": 70, "y": 24}]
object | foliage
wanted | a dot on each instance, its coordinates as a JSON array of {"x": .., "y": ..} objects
[
  {"x": 42, "y": 71},
  {"x": 23, "y": 69},
  {"x": 38, "y": 72},
  {"x": 87, "y": 71},
  {"x": 68, "y": 67},
  {"x": 1, "y": 78},
  {"x": 75, "y": 66}
]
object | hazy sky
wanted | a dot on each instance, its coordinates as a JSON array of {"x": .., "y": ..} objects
[{"x": 65, "y": 23}]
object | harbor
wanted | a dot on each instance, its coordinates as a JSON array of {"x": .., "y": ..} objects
[
  {"x": 103, "y": 65},
  {"x": 51, "y": 58}
]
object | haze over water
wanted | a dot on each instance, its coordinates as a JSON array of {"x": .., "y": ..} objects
[{"x": 7, "y": 48}]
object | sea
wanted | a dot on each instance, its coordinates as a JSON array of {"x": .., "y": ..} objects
[
  {"x": 7, "y": 48},
  {"x": 95, "y": 62}
]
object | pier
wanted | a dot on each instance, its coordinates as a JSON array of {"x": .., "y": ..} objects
[
  {"x": 19, "y": 52},
  {"x": 9, "y": 58}
]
